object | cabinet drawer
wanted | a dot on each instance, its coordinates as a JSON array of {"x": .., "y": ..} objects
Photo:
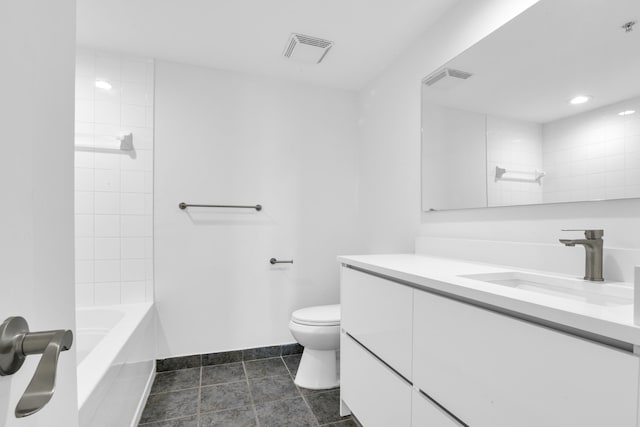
[
  {"x": 493, "y": 370},
  {"x": 427, "y": 414},
  {"x": 378, "y": 313},
  {"x": 372, "y": 391}
]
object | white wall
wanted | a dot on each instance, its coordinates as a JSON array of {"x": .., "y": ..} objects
[
  {"x": 113, "y": 189},
  {"x": 37, "y": 41},
  {"x": 229, "y": 138},
  {"x": 390, "y": 155}
]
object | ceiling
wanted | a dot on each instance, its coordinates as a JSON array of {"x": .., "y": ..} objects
[
  {"x": 531, "y": 67},
  {"x": 250, "y": 35}
]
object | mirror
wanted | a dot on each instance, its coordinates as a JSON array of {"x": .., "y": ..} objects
[{"x": 501, "y": 124}]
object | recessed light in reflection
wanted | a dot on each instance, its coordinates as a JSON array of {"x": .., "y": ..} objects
[
  {"x": 103, "y": 85},
  {"x": 580, "y": 99},
  {"x": 626, "y": 113}
]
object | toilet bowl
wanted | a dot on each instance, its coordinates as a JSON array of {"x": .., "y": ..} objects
[{"x": 317, "y": 329}]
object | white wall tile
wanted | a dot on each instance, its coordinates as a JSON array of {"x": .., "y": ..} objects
[
  {"x": 136, "y": 226},
  {"x": 84, "y": 225},
  {"x": 133, "y": 292},
  {"x": 107, "y": 203},
  {"x": 84, "y": 271},
  {"x": 132, "y": 181},
  {"x": 84, "y": 294},
  {"x": 84, "y": 248},
  {"x": 84, "y": 202},
  {"x": 132, "y": 270},
  {"x": 107, "y": 248},
  {"x": 107, "y": 225},
  {"x": 83, "y": 179},
  {"x": 132, "y": 203},
  {"x": 133, "y": 247},
  {"x": 107, "y": 112},
  {"x": 106, "y": 271},
  {"x": 111, "y": 186},
  {"x": 107, "y": 293}
]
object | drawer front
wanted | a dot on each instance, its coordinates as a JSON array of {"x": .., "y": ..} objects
[
  {"x": 493, "y": 370},
  {"x": 378, "y": 313},
  {"x": 427, "y": 414},
  {"x": 375, "y": 394}
]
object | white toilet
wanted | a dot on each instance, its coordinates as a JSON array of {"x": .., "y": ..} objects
[{"x": 318, "y": 330}]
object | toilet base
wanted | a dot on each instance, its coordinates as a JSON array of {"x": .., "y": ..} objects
[{"x": 318, "y": 370}]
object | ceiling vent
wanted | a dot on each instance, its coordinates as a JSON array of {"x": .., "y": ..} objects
[
  {"x": 446, "y": 78},
  {"x": 307, "y": 49}
]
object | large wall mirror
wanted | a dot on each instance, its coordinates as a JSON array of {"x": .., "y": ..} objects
[{"x": 544, "y": 110}]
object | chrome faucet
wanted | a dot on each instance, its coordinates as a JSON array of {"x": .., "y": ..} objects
[{"x": 593, "y": 247}]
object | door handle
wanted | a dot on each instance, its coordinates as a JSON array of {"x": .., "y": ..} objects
[{"x": 16, "y": 343}]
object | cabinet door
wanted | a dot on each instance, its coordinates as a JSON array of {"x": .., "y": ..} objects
[
  {"x": 425, "y": 413},
  {"x": 378, "y": 313},
  {"x": 493, "y": 370},
  {"x": 375, "y": 394}
]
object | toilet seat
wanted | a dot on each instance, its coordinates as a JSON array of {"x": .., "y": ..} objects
[{"x": 322, "y": 315}]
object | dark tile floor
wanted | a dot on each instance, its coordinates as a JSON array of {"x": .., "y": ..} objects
[{"x": 246, "y": 393}]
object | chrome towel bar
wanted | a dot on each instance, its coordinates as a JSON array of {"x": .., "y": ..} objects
[
  {"x": 275, "y": 261},
  {"x": 184, "y": 205}
]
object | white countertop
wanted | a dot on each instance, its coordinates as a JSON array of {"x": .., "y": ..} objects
[{"x": 442, "y": 275}]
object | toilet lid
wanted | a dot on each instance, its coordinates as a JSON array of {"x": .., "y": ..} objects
[{"x": 322, "y": 315}]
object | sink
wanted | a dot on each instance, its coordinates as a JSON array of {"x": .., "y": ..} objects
[{"x": 597, "y": 293}]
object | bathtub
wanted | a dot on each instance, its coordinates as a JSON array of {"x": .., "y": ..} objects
[{"x": 116, "y": 365}]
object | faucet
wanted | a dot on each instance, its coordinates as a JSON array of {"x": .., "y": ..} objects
[{"x": 593, "y": 248}]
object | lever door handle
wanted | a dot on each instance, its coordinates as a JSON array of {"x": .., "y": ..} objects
[{"x": 16, "y": 343}]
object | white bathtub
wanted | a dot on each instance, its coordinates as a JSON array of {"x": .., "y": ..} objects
[{"x": 116, "y": 365}]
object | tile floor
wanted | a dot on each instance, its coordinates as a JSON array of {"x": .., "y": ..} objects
[{"x": 247, "y": 393}]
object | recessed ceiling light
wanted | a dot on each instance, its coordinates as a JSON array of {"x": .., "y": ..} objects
[
  {"x": 626, "y": 113},
  {"x": 103, "y": 85},
  {"x": 580, "y": 99}
]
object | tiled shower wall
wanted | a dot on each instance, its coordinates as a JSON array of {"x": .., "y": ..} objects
[{"x": 113, "y": 189}]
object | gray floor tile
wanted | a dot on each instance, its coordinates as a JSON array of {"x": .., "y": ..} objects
[
  {"x": 306, "y": 391},
  {"x": 239, "y": 417},
  {"x": 325, "y": 406},
  {"x": 218, "y": 374},
  {"x": 289, "y": 349},
  {"x": 174, "y": 404},
  {"x": 174, "y": 363},
  {"x": 176, "y": 380},
  {"x": 349, "y": 422},
  {"x": 292, "y": 363},
  {"x": 285, "y": 413},
  {"x": 224, "y": 396},
  {"x": 223, "y": 357},
  {"x": 273, "y": 388},
  {"x": 179, "y": 422},
  {"x": 265, "y": 368},
  {"x": 261, "y": 353}
]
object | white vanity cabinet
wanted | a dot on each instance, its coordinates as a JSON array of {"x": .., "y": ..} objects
[
  {"x": 472, "y": 366},
  {"x": 493, "y": 370}
]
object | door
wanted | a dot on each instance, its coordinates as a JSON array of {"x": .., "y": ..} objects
[{"x": 37, "y": 50}]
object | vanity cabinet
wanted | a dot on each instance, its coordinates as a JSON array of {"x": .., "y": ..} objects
[
  {"x": 379, "y": 396},
  {"x": 378, "y": 313},
  {"x": 471, "y": 365},
  {"x": 490, "y": 369}
]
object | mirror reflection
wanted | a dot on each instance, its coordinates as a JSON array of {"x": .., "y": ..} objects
[{"x": 544, "y": 110}]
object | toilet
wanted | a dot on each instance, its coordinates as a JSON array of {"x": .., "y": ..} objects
[{"x": 317, "y": 329}]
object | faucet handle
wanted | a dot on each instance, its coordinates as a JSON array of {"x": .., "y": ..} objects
[{"x": 589, "y": 234}]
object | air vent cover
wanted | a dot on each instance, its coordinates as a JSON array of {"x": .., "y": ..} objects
[
  {"x": 306, "y": 49},
  {"x": 446, "y": 78}
]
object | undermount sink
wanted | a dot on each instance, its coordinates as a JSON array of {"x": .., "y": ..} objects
[{"x": 597, "y": 293}]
